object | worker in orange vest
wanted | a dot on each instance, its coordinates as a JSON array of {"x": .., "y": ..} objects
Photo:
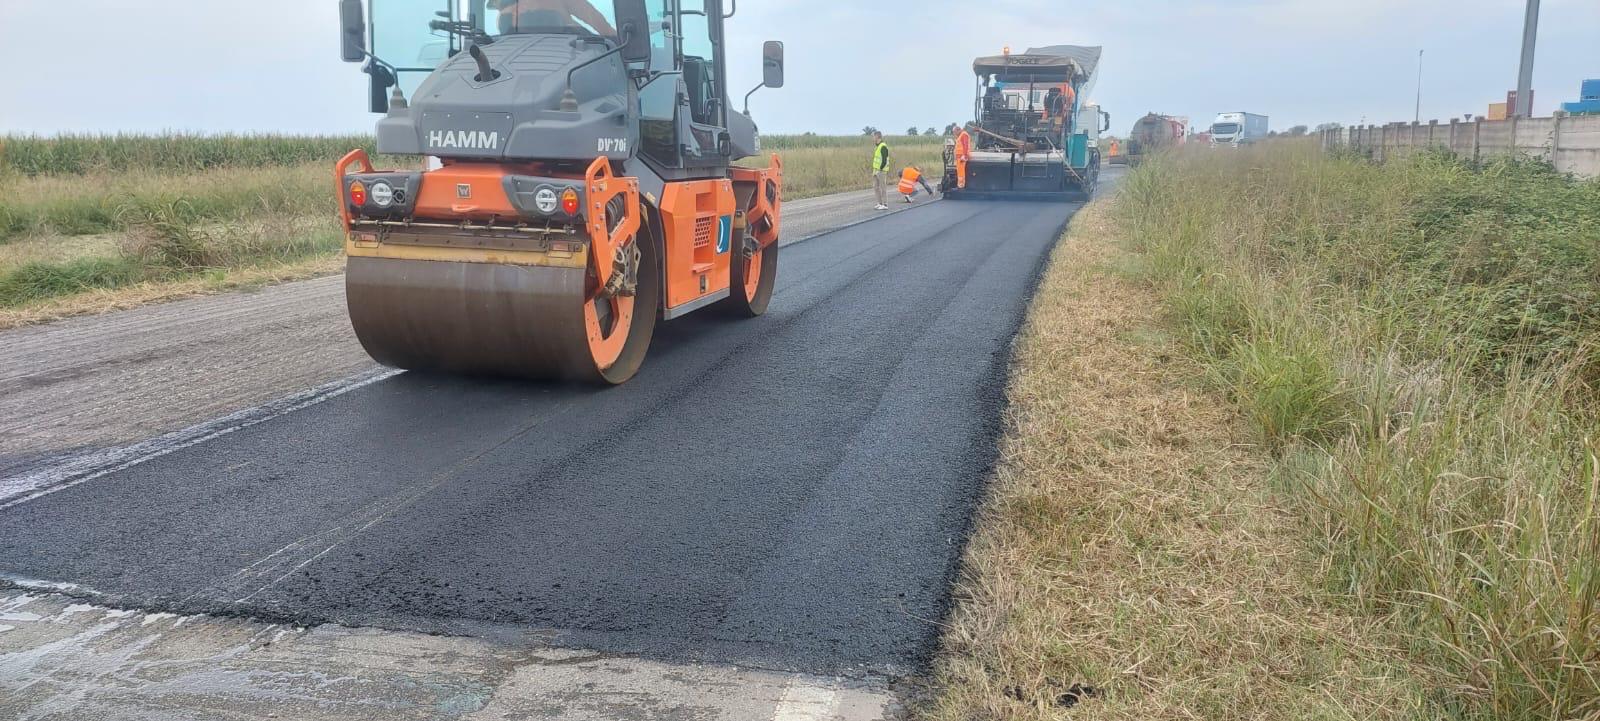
[
  {"x": 910, "y": 178},
  {"x": 963, "y": 154}
]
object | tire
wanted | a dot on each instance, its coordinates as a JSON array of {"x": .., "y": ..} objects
[
  {"x": 749, "y": 297},
  {"x": 646, "y": 309}
]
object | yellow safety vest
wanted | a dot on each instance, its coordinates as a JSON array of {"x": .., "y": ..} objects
[{"x": 880, "y": 158}]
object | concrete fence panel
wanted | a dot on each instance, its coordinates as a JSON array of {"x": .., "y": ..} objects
[
  {"x": 1569, "y": 142},
  {"x": 1535, "y": 137},
  {"x": 1578, "y": 149},
  {"x": 1494, "y": 138},
  {"x": 1463, "y": 138}
]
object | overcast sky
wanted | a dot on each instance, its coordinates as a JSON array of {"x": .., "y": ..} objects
[{"x": 111, "y": 65}]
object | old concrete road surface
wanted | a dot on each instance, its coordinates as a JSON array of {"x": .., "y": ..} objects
[
  {"x": 763, "y": 524},
  {"x": 81, "y": 386}
]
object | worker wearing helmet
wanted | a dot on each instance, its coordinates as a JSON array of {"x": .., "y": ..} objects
[
  {"x": 910, "y": 178},
  {"x": 963, "y": 154},
  {"x": 528, "y": 15}
]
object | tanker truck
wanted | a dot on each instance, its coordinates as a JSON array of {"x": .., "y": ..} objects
[{"x": 1153, "y": 134}]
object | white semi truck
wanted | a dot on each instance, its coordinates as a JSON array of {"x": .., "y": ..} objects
[{"x": 1238, "y": 129}]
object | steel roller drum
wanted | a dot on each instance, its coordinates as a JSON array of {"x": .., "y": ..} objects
[{"x": 484, "y": 319}]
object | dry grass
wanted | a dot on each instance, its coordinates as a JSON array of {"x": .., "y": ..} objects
[
  {"x": 1131, "y": 562},
  {"x": 92, "y": 302}
]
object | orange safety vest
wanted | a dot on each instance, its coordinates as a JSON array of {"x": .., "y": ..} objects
[
  {"x": 908, "y": 181},
  {"x": 963, "y": 145}
]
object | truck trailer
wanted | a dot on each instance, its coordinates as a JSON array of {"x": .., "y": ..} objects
[
  {"x": 1238, "y": 129},
  {"x": 1036, "y": 135}
]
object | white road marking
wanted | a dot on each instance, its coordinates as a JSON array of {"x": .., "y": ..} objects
[
  {"x": 82, "y": 469},
  {"x": 804, "y": 702}
]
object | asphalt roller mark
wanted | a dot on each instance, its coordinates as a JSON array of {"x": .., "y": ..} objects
[{"x": 789, "y": 492}]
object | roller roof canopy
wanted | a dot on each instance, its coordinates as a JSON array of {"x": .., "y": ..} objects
[
  {"x": 1087, "y": 56},
  {"x": 1023, "y": 67},
  {"x": 1052, "y": 63}
]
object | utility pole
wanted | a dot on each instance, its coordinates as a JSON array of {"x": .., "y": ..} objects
[
  {"x": 1530, "y": 38},
  {"x": 1419, "y": 87}
]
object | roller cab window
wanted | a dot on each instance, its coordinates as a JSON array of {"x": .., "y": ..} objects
[
  {"x": 403, "y": 39},
  {"x": 577, "y": 17}
]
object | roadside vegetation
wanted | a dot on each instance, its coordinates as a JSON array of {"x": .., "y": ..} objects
[
  {"x": 1132, "y": 560},
  {"x": 95, "y": 223},
  {"x": 1415, "y": 344},
  {"x": 1378, "y": 495}
]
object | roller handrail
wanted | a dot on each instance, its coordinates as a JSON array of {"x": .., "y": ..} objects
[{"x": 602, "y": 186}]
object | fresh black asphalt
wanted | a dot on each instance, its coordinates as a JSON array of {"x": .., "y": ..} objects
[{"x": 790, "y": 492}]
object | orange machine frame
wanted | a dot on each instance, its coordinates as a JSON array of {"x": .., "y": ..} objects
[{"x": 697, "y": 217}]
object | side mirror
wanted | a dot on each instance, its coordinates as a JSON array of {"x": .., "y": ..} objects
[
  {"x": 352, "y": 31},
  {"x": 772, "y": 64},
  {"x": 633, "y": 30},
  {"x": 1105, "y": 121}
]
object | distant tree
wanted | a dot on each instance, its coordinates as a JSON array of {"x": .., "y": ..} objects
[
  {"x": 1272, "y": 133},
  {"x": 931, "y": 132},
  {"x": 1329, "y": 126},
  {"x": 1299, "y": 130},
  {"x": 914, "y": 131},
  {"x": 869, "y": 130}
]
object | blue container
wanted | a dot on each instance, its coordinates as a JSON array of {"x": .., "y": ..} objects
[
  {"x": 1587, "y": 107},
  {"x": 1591, "y": 89}
]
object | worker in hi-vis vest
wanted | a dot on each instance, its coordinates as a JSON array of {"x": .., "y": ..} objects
[
  {"x": 880, "y": 170},
  {"x": 910, "y": 178},
  {"x": 963, "y": 154}
]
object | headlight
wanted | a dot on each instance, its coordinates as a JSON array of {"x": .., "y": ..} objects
[
  {"x": 546, "y": 201},
  {"x": 382, "y": 194}
]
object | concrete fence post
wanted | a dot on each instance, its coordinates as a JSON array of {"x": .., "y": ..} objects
[
  {"x": 1477, "y": 140},
  {"x": 1555, "y": 140},
  {"x": 1512, "y": 152}
]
